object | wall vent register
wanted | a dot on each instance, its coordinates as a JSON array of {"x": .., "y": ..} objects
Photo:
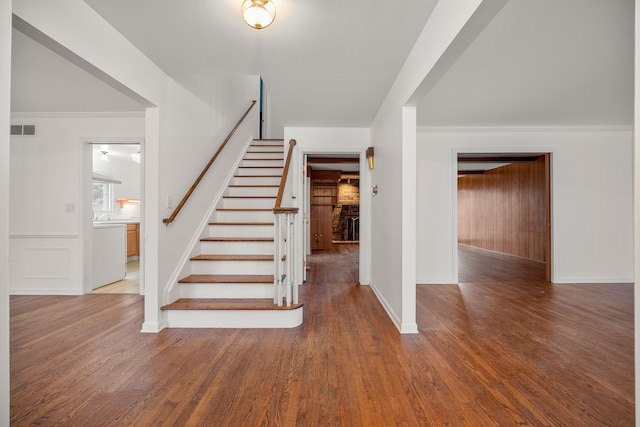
[{"x": 29, "y": 130}]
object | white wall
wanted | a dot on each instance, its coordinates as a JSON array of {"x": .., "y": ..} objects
[
  {"x": 326, "y": 141},
  {"x": 5, "y": 88},
  {"x": 592, "y": 198},
  {"x": 50, "y": 209},
  {"x": 449, "y": 30},
  {"x": 182, "y": 131}
]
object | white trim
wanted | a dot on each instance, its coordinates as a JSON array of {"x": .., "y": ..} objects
[
  {"x": 426, "y": 281},
  {"x": 20, "y": 115},
  {"x": 592, "y": 280},
  {"x": 264, "y": 319},
  {"x": 552, "y": 151},
  {"x": 525, "y": 129},
  {"x": 154, "y": 327},
  {"x": 387, "y": 307},
  {"x": 150, "y": 217},
  {"x": 409, "y": 220},
  {"x": 43, "y": 236}
]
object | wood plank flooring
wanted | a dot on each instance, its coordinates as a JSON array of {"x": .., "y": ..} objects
[
  {"x": 129, "y": 285},
  {"x": 492, "y": 352}
]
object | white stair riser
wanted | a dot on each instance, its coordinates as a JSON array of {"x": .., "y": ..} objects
[
  {"x": 256, "y": 180},
  {"x": 232, "y": 267},
  {"x": 263, "y": 163},
  {"x": 234, "y": 318},
  {"x": 226, "y": 290},
  {"x": 266, "y": 148},
  {"x": 253, "y": 191},
  {"x": 256, "y": 203},
  {"x": 257, "y": 154},
  {"x": 237, "y": 248},
  {"x": 261, "y": 171},
  {"x": 244, "y": 216},
  {"x": 241, "y": 230}
]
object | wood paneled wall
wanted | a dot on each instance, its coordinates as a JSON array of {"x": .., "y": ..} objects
[{"x": 504, "y": 210}]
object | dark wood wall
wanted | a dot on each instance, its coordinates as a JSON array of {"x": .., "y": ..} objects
[{"x": 504, "y": 210}]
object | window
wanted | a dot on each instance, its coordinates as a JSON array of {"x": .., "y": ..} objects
[{"x": 102, "y": 196}]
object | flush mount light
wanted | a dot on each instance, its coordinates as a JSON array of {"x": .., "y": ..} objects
[{"x": 258, "y": 14}]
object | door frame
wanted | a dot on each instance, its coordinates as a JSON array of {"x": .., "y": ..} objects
[
  {"x": 303, "y": 226},
  {"x": 549, "y": 241},
  {"x": 87, "y": 211}
]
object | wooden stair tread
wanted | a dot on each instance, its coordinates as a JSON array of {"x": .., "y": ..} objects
[
  {"x": 248, "y": 197},
  {"x": 227, "y": 304},
  {"x": 257, "y": 176},
  {"x": 226, "y": 257},
  {"x": 245, "y": 209},
  {"x": 241, "y": 223},
  {"x": 237, "y": 239},
  {"x": 253, "y": 185},
  {"x": 228, "y": 278}
]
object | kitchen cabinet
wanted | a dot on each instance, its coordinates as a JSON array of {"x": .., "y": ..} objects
[{"x": 133, "y": 240}]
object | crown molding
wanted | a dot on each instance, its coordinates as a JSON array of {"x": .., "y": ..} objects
[
  {"x": 527, "y": 129},
  {"x": 70, "y": 114}
]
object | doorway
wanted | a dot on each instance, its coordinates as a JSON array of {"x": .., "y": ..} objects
[
  {"x": 504, "y": 206},
  {"x": 116, "y": 182},
  {"x": 334, "y": 200}
]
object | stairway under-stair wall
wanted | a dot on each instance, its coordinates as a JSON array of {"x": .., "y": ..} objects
[{"x": 231, "y": 280}]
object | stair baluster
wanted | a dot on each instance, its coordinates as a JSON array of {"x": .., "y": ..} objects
[{"x": 284, "y": 285}]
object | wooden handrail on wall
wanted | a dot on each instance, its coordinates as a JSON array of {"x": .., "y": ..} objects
[
  {"x": 178, "y": 208},
  {"x": 277, "y": 208}
]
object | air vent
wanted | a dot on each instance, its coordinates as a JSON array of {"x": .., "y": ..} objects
[{"x": 28, "y": 130}]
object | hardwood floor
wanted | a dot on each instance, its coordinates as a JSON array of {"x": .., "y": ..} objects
[
  {"x": 489, "y": 353},
  {"x": 129, "y": 285}
]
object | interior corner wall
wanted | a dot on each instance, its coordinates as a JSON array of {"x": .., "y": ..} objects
[
  {"x": 5, "y": 107},
  {"x": 592, "y": 198}
]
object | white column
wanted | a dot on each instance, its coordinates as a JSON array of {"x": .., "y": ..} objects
[
  {"x": 5, "y": 108},
  {"x": 409, "y": 157},
  {"x": 636, "y": 221}
]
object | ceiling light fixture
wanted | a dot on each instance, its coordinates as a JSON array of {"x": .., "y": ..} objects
[
  {"x": 104, "y": 156},
  {"x": 258, "y": 14}
]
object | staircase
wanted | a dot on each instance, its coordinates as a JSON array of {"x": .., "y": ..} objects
[{"x": 232, "y": 278}]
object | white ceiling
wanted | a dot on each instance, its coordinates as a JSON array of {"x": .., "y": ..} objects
[
  {"x": 542, "y": 62},
  {"x": 43, "y": 81},
  {"x": 325, "y": 63},
  {"x": 331, "y": 63}
]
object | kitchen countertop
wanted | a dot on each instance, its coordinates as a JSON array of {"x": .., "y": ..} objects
[{"x": 116, "y": 222}]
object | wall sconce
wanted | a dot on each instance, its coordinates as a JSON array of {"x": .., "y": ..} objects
[
  {"x": 135, "y": 157},
  {"x": 370, "y": 157},
  {"x": 104, "y": 156},
  {"x": 258, "y": 14}
]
